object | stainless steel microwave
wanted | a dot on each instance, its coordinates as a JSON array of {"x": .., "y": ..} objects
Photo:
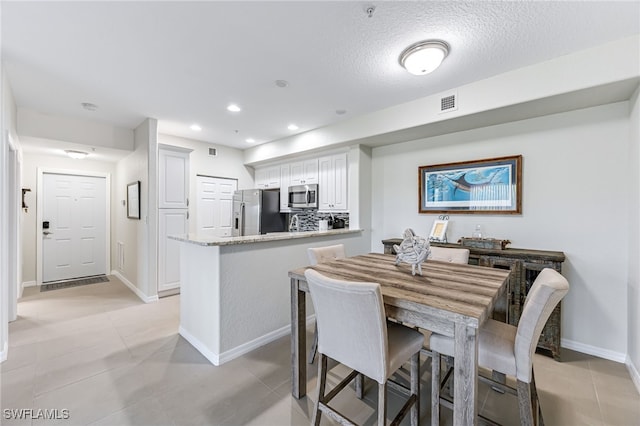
[{"x": 303, "y": 196}]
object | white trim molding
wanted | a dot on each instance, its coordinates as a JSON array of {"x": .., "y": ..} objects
[
  {"x": 593, "y": 350},
  {"x": 219, "y": 359},
  {"x": 633, "y": 372},
  {"x": 133, "y": 288},
  {"x": 4, "y": 352}
]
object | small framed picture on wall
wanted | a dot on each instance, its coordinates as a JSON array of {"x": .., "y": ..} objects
[{"x": 133, "y": 200}]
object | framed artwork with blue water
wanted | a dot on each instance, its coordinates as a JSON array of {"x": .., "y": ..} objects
[{"x": 490, "y": 186}]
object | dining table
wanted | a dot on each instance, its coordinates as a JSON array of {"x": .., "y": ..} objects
[{"x": 448, "y": 298}]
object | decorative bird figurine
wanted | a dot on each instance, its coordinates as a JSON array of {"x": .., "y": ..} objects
[{"x": 413, "y": 250}]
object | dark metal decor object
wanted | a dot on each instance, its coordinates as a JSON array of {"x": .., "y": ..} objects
[{"x": 74, "y": 283}]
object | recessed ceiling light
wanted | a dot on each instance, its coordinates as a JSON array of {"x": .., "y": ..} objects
[
  {"x": 76, "y": 155},
  {"x": 292, "y": 127},
  {"x": 234, "y": 108},
  {"x": 424, "y": 57},
  {"x": 195, "y": 128},
  {"x": 250, "y": 140},
  {"x": 282, "y": 83},
  {"x": 89, "y": 106}
]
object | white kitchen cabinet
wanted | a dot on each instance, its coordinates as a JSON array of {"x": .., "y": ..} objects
[
  {"x": 285, "y": 175},
  {"x": 267, "y": 177},
  {"x": 332, "y": 172},
  {"x": 173, "y": 176},
  {"x": 171, "y": 222},
  {"x": 173, "y": 213},
  {"x": 304, "y": 172}
]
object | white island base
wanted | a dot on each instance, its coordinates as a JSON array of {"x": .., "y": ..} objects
[{"x": 235, "y": 292}]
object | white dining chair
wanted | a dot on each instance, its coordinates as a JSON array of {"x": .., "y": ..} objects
[
  {"x": 445, "y": 254},
  {"x": 451, "y": 255},
  {"x": 507, "y": 350},
  {"x": 322, "y": 255},
  {"x": 353, "y": 330}
]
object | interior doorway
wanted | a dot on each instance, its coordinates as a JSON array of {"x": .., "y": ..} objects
[{"x": 72, "y": 225}]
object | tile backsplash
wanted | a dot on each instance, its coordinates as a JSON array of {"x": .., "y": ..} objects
[{"x": 309, "y": 218}]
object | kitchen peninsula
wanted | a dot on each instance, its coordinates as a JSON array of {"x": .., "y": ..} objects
[{"x": 235, "y": 291}]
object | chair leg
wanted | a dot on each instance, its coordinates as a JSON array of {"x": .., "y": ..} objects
[
  {"x": 524, "y": 403},
  {"x": 536, "y": 400},
  {"x": 314, "y": 347},
  {"x": 322, "y": 382},
  {"x": 415, "y": 388},
  {"x": 382, "y": 404},
  {"x": 435, "y": 388}
]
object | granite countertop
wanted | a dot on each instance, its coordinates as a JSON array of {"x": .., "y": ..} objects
[{"x": 205, "y": 240}]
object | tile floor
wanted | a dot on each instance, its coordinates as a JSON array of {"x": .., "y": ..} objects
[{"x": 109, "y": 359}]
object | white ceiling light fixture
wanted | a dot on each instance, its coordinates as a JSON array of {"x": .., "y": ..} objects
[
  {"x": 250, "y": 140},
  {"x": 76, "y": 155},
  {"x": 292, "y": 127},
  {"x": 424, "y": 57},
  {"x": 234, "y": 108},
  {"x": 195, "y": 128}
]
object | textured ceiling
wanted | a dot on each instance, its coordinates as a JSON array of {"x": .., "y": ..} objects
[{"x": 183, "y": 62}]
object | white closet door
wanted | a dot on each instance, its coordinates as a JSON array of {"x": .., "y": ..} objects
[
  {"x": 171, "y": 222},
  {"x": 173, "y": 175},
  {"x": 214, "y": 205}
]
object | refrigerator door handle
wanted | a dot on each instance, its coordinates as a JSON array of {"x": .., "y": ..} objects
[{"x": 242, "y": 218}]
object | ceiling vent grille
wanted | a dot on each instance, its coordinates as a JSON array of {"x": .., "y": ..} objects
[
  {"x": 449, "y": 103},
  {"x": 213, "y": 152}
]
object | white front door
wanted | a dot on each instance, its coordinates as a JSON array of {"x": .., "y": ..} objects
[
  {"x": 74, "y": 217},
  {"x": 214, "y": 205}
]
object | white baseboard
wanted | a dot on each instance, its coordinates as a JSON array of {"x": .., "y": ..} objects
[
  {"x": 635, "y": 375},
  {"x": 26, "y": 284},
  {"x": 133, "y": 288},
  {"x": 260, "y": 341},
  {"x": 594, "y": 350},
  {"x": 219, "y": 359},
  {"x": 201, "y": 347}
]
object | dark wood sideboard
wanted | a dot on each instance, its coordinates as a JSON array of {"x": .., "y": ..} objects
[{"x": 525, "y": 266}]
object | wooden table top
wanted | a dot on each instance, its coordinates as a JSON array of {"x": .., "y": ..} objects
[{"x": 462, "y": 293}]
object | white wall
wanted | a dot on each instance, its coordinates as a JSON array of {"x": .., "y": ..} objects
[
  {"x": 575, "y": 199},
  {"x": 633, "y": 302},
  {"x": 31, "y": 162},
  {"x": 227, "y": 164},
  {"x": 8, "y": 254}
]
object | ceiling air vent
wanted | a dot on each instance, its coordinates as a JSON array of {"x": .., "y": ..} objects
[
  {"x": 213, "y": 152},
  {"x": 449, "y": 103}
]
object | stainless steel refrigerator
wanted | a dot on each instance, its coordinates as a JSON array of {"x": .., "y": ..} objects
[{"x": 257, "y": 211}]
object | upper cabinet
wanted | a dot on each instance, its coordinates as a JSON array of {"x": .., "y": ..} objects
[
  {"x": 329, "y": 172},
  {"x": 285, "y": 175},
  {"x": 333, "y": 183},
  {"x": 173, "y": 173},
  {"x": 268, "y": 177},
  {"x": 303, "y": 172}
]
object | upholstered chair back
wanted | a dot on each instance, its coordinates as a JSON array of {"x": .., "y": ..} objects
[
  {"x": 545, "y": 293},
  {"x": 351, "y": 323},
  {"x": 452, "y": 255},
  {"x": 326, "y": 254}
]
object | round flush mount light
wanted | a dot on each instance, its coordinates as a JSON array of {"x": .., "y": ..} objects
[
  {"x": 195, "y": 128},
  {"x": 76, "y": 155},
  {"x": 292, "y": 127},
  {"x": 424, "y": 57},
  {"x": 250, "y": 140},
  {"x": 234, "y": 108}
]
